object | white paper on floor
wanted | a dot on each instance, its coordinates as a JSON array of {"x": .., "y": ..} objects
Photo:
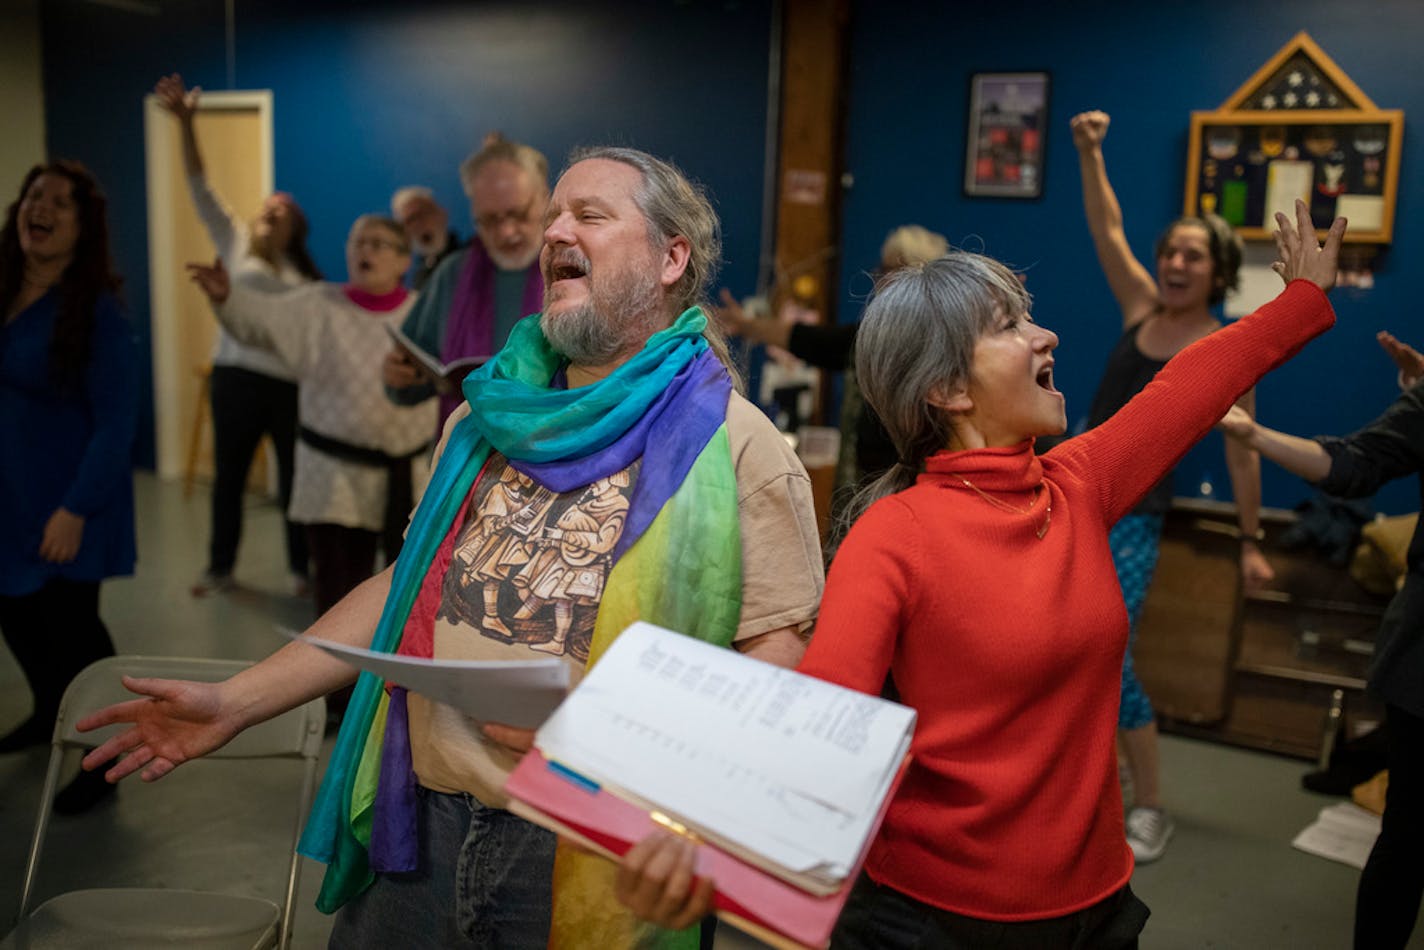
[{"x": 1343, "y": 832}]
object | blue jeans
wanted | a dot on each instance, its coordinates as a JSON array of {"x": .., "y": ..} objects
[
  {"x": 1135, "y": 542},
  {"x": 485, "y": 880}
]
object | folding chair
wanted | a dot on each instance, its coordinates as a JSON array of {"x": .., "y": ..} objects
[{"x": 114, "y": 918}]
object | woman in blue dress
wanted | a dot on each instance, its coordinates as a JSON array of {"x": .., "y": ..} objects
[{"x": 68, "y": 408}]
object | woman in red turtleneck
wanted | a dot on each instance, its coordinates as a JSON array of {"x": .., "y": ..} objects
[
  {"x": 979, "y": 580},
  {"x": 357, "y": 452}
]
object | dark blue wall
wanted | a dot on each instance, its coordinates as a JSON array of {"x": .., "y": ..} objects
[
  {"x": 372, "y": 96},
  {"x": 1149, "y": 66}
]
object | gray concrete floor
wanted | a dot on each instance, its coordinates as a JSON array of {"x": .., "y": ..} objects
[
  {"x": 219, "y": 825},
  {"x": 1229, "y": 880}
]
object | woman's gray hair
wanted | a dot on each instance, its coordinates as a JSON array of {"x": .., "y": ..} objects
[
  {"x": 402, "y": 241},
  {"x": 917, "y": 339},
  {"x": 675, "y": 206}
]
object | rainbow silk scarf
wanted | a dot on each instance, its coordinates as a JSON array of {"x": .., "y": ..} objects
[{"x": 677, "y": 564}]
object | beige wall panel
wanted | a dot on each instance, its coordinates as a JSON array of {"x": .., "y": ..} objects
[{"x": 21, "y": 94}]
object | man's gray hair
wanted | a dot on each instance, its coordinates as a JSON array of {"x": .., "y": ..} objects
[
  {"x": 497, "y": 148},
  {"x": 409, "y": 193},
  {"x": 675, "y": 206}
]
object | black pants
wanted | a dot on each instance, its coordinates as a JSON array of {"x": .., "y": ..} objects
[
  {"x": 882, "y": 918},
  {"x": 1392, "y": 883},
  {"x": 54, "y": 633},
  {"x": 246, "y": 406},
  {"x": 342, "y": 558}
]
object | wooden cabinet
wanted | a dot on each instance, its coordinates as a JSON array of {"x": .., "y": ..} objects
[{"x": 1263, "y": 670}]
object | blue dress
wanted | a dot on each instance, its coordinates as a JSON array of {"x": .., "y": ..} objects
[{"x": 66, "y": 446}]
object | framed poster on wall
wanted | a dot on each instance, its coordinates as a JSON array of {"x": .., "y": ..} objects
[{"x": 1008, "y": 121}]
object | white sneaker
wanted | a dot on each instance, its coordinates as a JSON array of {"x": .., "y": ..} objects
[
  {"x": 1148, "y": 831},
  {"x": 210, "y": 583}
]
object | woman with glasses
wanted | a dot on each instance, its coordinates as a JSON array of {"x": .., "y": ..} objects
[{"x": 358, "y": 453}]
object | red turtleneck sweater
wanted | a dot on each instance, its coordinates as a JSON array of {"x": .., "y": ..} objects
[{"x": 1010, "y": 647}]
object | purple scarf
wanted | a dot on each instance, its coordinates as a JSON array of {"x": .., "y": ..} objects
[{"x": 469, "y": 328}]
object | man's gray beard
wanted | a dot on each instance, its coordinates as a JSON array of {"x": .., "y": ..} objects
[
  {"x": 608, "y": 323},
  {"x": 431, "y": 247},
  {"x": 506, "y": 261}
]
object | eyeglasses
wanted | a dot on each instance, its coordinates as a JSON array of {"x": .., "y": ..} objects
[
  {"x": 489, "y": 222},
  {"x": 375, "y": 244}
]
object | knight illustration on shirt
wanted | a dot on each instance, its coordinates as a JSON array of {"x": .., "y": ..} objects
[{"x": 527, "y": 554}]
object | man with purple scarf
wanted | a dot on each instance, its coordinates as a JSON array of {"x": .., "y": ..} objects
[
  {"x": 479, "y": 292},
  {"x": 601, "y": 469}
]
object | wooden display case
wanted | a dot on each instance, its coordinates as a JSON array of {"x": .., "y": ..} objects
[
  {"x": 1269, "y": 670},
  {"x": 1298, "y": 128}
]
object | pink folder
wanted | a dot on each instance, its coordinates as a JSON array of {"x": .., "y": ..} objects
[{"x": 749, "y": 897}]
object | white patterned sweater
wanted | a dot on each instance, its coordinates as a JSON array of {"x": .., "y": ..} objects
[{"x": 335, "y": 349}]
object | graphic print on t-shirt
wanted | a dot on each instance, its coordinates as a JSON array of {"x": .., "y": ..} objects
[{"x": 530, "y": 564}]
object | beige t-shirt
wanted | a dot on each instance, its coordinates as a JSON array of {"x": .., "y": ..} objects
[{"x": 529, "y": 567}]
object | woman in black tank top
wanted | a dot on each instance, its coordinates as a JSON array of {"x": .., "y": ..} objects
[{"x": 1197, "y": 261}]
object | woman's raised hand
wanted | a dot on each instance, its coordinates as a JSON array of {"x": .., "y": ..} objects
[
  {"x": 174, "y": 721},
  {"x": 177, "y": 98},
  {"x": 730, "y": 315},
  {"x": 1409, "y": 360},
  {"x": 1089, "y": 129},
  {"x": 211, "y": 279},
  {"x": 1302, "y": 256}
]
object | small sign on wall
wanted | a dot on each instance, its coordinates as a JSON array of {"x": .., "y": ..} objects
[{"x": 804, "y": 187}]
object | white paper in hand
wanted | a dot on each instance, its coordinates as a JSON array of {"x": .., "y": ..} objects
[
  {"x": 520, "y": 693},
  {"x": 778, "y": 763}
]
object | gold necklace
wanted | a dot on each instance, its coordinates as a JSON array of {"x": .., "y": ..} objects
[{"x": 1005, "y": 506}]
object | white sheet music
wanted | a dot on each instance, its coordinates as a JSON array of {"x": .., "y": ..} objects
[
  {"x": 517, "y": 693},
  {"x": 782, "y": 764},
  {"x": 1343, "y": 832}
]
